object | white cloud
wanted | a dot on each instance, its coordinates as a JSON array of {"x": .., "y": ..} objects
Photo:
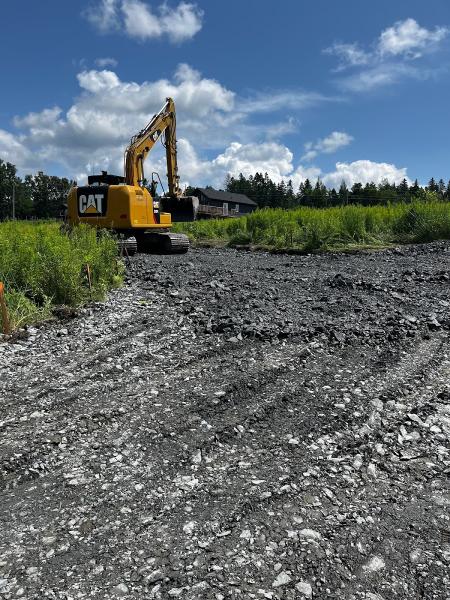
[
  {"x": 105, "y": 62},
  {"x": 12, "y": 149},
  {"x": 98, "y": 81},
  {"x": 393, "y": 57},
  {"x": 364, "y": 171},
  {"x": 349, "y": 55},
  {"x": 328, "y": 145},
  {"x": 139, "y": 21},
  {"x": 215, "y": 136},
  {"x": 409, "y": 38},
  {"x": 294, "y": 100},
  {"x": 278, "y": 161},
  {"x": 382, "y": 75},
  {"x": 181, "y": 23},
  {"x": 268, "y": 157},
  {"x": 103, "y": 15},
  {"x": 40, "y": 120},
  {"x": 93, "y": 132}
]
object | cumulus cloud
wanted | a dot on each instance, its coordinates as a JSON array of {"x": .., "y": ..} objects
[
  {"x": 391, "y": 58},
  {"x": 328, "y": 145},
  {"x": 409, "y": 38},
  {"x": 272, "y": 158},
  {"x": 140, "y": 21},
  {"x": 105, "y": 62},
  {"x": 93, "y": 132},
  {"x": 364, "y": 171},
  {"x": 12, "y": 149},
  {"x": 277, "y": 161},
  {"x": 215, "y": 136}
]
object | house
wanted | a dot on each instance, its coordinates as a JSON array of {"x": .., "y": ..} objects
[{"x": 214, "y": 203}]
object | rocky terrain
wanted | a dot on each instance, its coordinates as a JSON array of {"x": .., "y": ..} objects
[{"x": 234, "y": 425}]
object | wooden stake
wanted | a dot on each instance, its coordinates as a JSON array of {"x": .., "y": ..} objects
[
  {"x": 4, "y": 311},
  {"x": 88, "y": 271}
]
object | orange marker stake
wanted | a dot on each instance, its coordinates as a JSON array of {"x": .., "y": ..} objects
[{"x": 4, "y": 311}]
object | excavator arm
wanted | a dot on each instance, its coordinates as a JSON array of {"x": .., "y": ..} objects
[{"x": 162, "y": 123}]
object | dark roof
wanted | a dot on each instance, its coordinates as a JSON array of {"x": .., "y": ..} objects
[{"x": 213, "y": 194}]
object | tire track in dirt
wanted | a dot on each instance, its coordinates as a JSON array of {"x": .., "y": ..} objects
[{"x": 206, "y": 489}]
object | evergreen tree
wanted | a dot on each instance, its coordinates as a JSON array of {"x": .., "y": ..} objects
[
  {"x": 415, "y": 189},
  {"x": 343, "y": 193},
  {"x": 432, "y": 186},
  {"x": 403, "y": 189}
]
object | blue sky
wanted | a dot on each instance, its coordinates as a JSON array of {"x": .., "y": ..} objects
[{"x": 342, "y": 90}]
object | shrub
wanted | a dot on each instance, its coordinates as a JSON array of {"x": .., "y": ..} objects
[
  {"x": 317, "y": 229},
  {"x": 42, "y": 266}
]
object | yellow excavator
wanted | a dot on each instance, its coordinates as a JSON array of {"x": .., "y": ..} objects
[{"x": 127, "y": 206}]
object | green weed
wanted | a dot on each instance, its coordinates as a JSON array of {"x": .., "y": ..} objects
[
  {"x": 309, "y": 229},
  {"x": 42, "y": 266}
]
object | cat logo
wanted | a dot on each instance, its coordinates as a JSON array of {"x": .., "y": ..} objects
[{"x": 91, "y": 204}]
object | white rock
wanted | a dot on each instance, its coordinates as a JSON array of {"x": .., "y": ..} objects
[
  {"x": 357, "y": 463},
  {"x": 155, "y": 591},
  {"x": 120, "y": 590},
  {"x": 282, "y": 579},
  {"x": 48, "y": 541},
  {"x": 304, "y": 588},
  {"x": 197, "y": 457},
  {"x": 372, "y": 470},
  {"x": 380, "y": 449},
  {"x": 376, "y": 563},
  {"x": 189, "y": 527},
  {"x": 414, "y": 555},
  {"x": 310, "y": 534}
]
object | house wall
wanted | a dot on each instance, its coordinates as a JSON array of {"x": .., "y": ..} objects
[{"x": 243, "y": 208}]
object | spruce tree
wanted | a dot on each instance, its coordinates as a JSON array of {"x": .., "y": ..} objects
[{"x": 432, "y": 186}]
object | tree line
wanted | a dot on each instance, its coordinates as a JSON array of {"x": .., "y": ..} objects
[
  {"x": 37, "y": 196},
  {"x": 43, "y": 196},
  {"x": 267, "y": 193}
]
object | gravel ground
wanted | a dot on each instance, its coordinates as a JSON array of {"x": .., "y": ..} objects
[{"x": 235, "y": 425}]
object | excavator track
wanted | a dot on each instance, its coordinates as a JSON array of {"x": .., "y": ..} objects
[
  {"x": 163, "y": 242},
  {"x": 127, "y": 246}
]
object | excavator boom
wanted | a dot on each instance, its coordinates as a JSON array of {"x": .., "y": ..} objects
[{"x": 162, "y": 123}]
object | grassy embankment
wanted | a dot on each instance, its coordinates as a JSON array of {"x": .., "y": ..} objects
[
  {"x": 42, "y": 268},
  {"x": 309, "y": 229}
]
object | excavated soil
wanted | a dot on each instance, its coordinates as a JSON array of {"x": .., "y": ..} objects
[{"x": 235, "y": 425}]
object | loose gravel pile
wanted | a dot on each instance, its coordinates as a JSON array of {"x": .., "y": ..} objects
[{"x": 235, "y": 425}]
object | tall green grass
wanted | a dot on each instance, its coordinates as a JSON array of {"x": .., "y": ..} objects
[
  {"x": 41, "y": 267},
  {"x": 308, "y": 229}
]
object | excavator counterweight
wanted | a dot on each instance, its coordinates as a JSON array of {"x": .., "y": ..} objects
[{"x": 124, "y": 204}]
